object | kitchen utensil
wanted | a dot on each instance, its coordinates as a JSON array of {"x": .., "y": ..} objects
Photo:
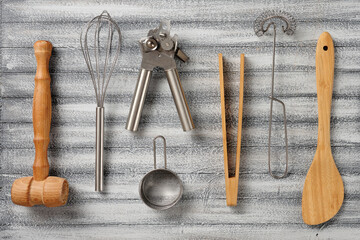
[
  {"x": 161, "y": 188},
  {"x": 40, "y": 188},
  {"x": 158, "y": 50},
  {"x": 231, "y": 183},
  {"x": 105, "y": 30},
  {"x": 323, "y": 192},
  {"x": 262, "y": 25}
]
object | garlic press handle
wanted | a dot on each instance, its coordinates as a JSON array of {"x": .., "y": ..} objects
[
  {"x": 179, "y": 99},
  {"x": 138, "y": 100}
]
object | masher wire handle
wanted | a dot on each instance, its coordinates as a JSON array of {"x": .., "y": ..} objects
[
  {"x": 271, "y": 113},
  {"x": 285, "y": 137},
  {"x": 154, "y": 144},
  {"x": 179, "y": 99},
  {"x": 138, "y": 100}
]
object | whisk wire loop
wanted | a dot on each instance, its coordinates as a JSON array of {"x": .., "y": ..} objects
[{"x": 100, "y": 76}]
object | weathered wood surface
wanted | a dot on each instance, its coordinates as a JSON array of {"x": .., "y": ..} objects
[{"x": 267, "y": 208}]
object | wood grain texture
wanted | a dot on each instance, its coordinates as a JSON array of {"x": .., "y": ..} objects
[
  {"x": 267, "y": 208},
  {"x": 323, "y": 192},
  {"x": 41, "y": 112},
  {"x": 231, "y": 180},
  {"x": 40, "y": 189}
]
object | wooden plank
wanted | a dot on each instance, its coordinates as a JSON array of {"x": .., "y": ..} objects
[
  {"x": 19, "y": 60},
  {"x": 202, "y": 84},
  {"x": 108, "y": 209},
  {"x": 204, "y": 160},
  {"x": 201, "y": 231},
  {"x": 65, "y": 34},
  {"x": 197, "y": 11},
  {"x": 256, "y": 109},
  {"x": 254, "y": 183},
  {"x": 19, "y": 135}
]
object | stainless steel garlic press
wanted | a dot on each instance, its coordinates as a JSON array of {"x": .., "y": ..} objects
[{"x": 159, "y": 50}]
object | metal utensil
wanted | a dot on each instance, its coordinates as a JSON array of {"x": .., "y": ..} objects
[
  {"x": 100, "y": 74},
  {"x": 262, "y": 25},
  {"x": 158, "y": 50},
  {"x": 161, "y": 188}
]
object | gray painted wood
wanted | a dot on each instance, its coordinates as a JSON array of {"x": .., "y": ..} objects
[{"x": 267, "y": 208}]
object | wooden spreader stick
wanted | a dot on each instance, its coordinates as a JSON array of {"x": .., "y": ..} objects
[{"x": 41, "y": 189}]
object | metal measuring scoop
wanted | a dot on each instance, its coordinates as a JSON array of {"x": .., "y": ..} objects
[{"x": 161, "y": 188}]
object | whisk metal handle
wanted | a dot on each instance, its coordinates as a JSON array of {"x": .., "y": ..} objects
[
  {"x": 99, "y": 170},
  {"x": 179, "y": 99},
  {"x": 138, "y": 100}
]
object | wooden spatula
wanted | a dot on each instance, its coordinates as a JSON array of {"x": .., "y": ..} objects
[{"x": 323, "y": 192}]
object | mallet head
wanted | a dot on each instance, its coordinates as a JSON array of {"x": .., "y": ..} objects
[{"x": 51, "y": 192}]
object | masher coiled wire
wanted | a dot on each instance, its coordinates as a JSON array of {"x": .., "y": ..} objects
[{"x": 103, "y": 30}]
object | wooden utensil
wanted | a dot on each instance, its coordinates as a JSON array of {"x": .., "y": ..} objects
[
  {"x": 41, "y": 189},
  {"x": 231, "y": 183},
  {"x": 323, "y": 192}
]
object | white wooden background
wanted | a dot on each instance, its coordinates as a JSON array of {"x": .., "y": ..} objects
[{"x": 267, "y": 208}]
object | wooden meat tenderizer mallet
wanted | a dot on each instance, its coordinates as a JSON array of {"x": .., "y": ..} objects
[{"x": 41, "y": 189}]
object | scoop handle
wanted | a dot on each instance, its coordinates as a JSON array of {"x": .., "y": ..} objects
[
  {"x": 42, "y": 109},
  {"x": 324, "y": 85}
]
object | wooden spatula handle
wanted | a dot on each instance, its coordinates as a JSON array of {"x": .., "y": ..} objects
[
  {"x": 324, "y": 85},
  {"x": 42, "y": 109}
]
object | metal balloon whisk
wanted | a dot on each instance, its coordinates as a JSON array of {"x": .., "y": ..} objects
[
  {"x": 100, "y": 41},
  {"x": 262, "y": 25}
]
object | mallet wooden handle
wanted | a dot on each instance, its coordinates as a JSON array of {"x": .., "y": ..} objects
[{"x": 42, "y": 109}]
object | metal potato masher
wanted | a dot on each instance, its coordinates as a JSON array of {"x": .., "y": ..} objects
[
  {"x": 158, "y": 50},
  {"x": 161, "y": 188},
  {"x": 261, "y": 26}
]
